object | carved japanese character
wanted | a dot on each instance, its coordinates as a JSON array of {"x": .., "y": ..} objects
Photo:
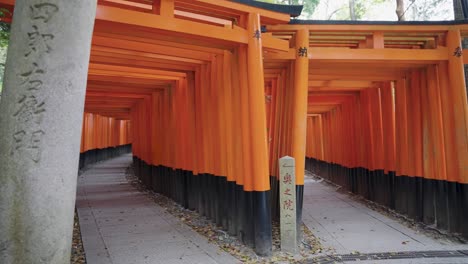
[
  {"x": 29, "y": 143},
  {"x": 287, "y": 191},
  {"x": 287, "y": 178},
  {"x": 38, "y": 42},
  {"x": 287, "y": 205},
  {"x": 31, "y": 78},
  {"x": 19, "y": 139},
  {"x": 29, "y": 108},
  {"x": 36, "y": 138},
  {"x": 43, "y": 11}
]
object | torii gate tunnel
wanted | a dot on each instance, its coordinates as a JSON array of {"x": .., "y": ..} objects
[{"x": 211, "y": 94}]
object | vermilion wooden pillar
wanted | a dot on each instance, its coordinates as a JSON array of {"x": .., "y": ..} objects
[
  {"x": 299, "y": 116},
  {"x": 455, "y": 103},
  {"x": 401, "y": 139},
  {"x": 245, "y": 180},
  {"x": 388, "y": 125},
  {"x": 459, "y": 106},
  {"x": 259, "y": 146}
]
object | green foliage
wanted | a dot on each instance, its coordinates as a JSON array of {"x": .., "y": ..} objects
[
  {"x": 423, "y": 10},
  {"x": 3, "y": 53},
  {"x": 4, "y": 34},
  {"x": 361, "y": 8},
  {"x": 4, "y": 38},
  {"x": 4, "y": 28},
  {"x": 309, "y": 5}
]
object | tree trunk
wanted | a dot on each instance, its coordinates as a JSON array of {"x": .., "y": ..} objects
[
  {"x": 458, "y": 10},
  {"x": 400, "y": 10},
  {"x": 459, "y": 15},
  {"x": 352, "y": 12}
]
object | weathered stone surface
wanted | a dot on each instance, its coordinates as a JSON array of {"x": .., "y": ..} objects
[
  {"x": 288, "y": 204},
  {"x": 41, "y": 115}
]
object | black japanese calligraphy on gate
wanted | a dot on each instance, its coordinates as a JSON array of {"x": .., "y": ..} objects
[
  {"x": 302, "y": 52},
  {"x": 30, "y": 104},
  {"x": 458, "y": 52},
  {"x": 257, "y": 34}
]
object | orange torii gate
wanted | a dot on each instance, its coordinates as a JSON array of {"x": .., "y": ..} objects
[
  {"x": 379, "y": 109},
  {"x": 103, "y": 137},
  {"x": 388, "y": 114}
]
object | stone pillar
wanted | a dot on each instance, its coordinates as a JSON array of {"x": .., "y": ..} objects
[
  {"x": 41, "y": 117},
  {"x": 288, "y": 219}
]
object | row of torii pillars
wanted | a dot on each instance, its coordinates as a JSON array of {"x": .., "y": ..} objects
[
  {"x": 41, "y": 116},
  {"x": 224, "y": 124}
]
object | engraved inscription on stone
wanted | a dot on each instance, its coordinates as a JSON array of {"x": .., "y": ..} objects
[
  {"x": 43, "y": 11},
  {"x": 31, "y": 79},
  {"x": 31, "y": 105},
  {"x": 29, "y": 142},
  {"x": 29, "y": 109},
  {"x": 38, "y": 42},
  {"x": 288, "y": 204}
]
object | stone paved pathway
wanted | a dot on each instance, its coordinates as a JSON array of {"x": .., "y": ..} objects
[
  {"x": 349, "y": 226},
  {"x": 119, "y": 224}
]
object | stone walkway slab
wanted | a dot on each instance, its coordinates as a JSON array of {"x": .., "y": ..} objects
[
  {"x": 349, "y": 226},
  {"x": 120, "y": 225}
]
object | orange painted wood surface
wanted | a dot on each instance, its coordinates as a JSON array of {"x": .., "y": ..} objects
[{"x": 196, "y": 85}]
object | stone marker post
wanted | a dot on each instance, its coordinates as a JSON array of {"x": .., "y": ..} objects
[
  {"x": 288, "y": 204},
  {"x": 41, "y": 115}
]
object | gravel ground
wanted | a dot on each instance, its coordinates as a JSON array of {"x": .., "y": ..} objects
[
  {"x": 78, "y": 254},
  {"x": 309, "y": 248}
]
